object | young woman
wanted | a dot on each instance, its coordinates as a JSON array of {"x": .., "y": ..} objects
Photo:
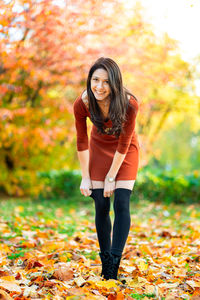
[{"x": 109, "y": 162}]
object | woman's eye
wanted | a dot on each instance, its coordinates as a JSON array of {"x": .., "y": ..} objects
[{"x": 96, "y": 79}]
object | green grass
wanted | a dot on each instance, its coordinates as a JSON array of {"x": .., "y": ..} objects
[
  {"x": 48, "y": 207},
  {"x": 66, "y": 213},
  {"x": 84, "y": 207},
  {"x": 19, "y": 253},
  {"x": 67, "y": 217},
  {"x": 63, "y": 216},
  {"x": 139, "y": 296}
]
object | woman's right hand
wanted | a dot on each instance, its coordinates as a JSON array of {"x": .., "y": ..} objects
[{"x": 86, "y": 186}]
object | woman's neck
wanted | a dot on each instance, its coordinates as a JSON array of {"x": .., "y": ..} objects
[
  {"x": 103, "y": 103},
  {"x": 104, "y": 107}
]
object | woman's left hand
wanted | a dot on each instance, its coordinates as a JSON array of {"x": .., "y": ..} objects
[{"x": 108, "y": 188}]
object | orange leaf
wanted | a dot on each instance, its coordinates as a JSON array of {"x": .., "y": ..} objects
[
  {"x": 4, "y": 295},
  {"x": 120, "y": 296},
  {"x": 145, "y": 249},
  {"x": 33, "y": 263},
  {"x": 8, "y": 278},
  {"x": 63, "y": 272}
]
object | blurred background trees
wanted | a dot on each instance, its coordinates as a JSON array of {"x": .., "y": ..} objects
[{"x": 46, "y": 49}]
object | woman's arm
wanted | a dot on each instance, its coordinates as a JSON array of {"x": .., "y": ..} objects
[
  {"x": 83, "y": 157},
  {"x": 82, "y": 145},
  {"x": 116, "y": 164},
  {"x": 80, "y": 114},
  {"x": 86, "y": 184},
  {"x": 122, "y": 148}
]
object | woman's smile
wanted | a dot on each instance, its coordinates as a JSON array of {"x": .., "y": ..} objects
[{"x": 99, "y": 93}]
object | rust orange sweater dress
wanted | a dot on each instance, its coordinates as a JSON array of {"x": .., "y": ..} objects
[{"x": 102, "y": 147}]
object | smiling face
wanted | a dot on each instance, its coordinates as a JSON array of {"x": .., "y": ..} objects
[{"x": 100, "y": 85}]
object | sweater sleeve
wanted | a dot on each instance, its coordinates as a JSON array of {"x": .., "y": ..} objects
[
  {"x": 80, "y": 114},
  {"x": 128, "y": 128}
]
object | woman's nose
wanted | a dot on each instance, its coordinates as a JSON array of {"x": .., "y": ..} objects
[{"x": 100, "y": 84}]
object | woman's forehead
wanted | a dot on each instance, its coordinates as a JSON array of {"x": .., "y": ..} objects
[{"x": 101, "y": 73}]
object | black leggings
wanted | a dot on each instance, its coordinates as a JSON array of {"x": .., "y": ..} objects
[{"x": 122, "y": 219}]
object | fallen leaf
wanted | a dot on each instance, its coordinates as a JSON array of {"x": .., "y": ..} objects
[
  {"x": 149, "y": 289},
  {"x": 128, "y": 269},
  {"x": 168, "y": 285},
  {"x": 141, "y": 264},
  {"x": 7, "y": 278},
  {"x": 79, "y": 281},
  {"x": 193, "y": 283},
  {"x": 180, "y": 272},
  {"x": 137, "y": 282},
  {"x": 32, "y": 263},
  {"x": 111, "y": 283},
  {"x": 4, "y": 273},
  {"x": 30, "y": 291},
  {"x": 120, "y": 296},
  {"x": 145, "y": 249},
  {"x": 10, "y": 286},
  {"x": 4, "y": 295},
  {"x": 63, "y": 272}
]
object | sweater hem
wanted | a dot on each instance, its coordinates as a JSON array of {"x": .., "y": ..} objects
[{"x": 115, "y": 180}]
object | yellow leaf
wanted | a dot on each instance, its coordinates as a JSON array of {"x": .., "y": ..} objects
[
  {"x": 142, "y": 265},
  {"x": 134, "y": 283},
  {"x": 4, "y": 249},
  {"x": 138, "y": 282},
  {"x": 142, "y": 280},
  {"x": 178, "y": 272},
  {"x": 193, "y": 214},
  {"x": 79, "y": 281},
  {"x": 145, "y": 249},
  {"x": 19, "y": 209},
  {"x": 72, "y": 211},
  {"x": 53, "y": 246},
  {"x": 193, "y": 283},
  {"x": 106, "y": 284},
  {"x": 8, "y": 278}
]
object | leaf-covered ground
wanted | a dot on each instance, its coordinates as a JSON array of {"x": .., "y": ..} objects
[{"x": 49, "y": 250}]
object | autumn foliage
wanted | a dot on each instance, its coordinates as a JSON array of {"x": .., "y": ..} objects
[
  {"x": 39, "y": 61},
  {"x": 50, "y": 253},
  {"x": 45, "y": 52}
]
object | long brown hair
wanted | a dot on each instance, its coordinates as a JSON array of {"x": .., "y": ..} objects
[{"x": 119, "y": 101}]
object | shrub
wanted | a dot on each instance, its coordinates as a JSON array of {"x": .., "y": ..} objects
[
  {"x": 165, "y": 186},
  {"x": 62, "y": 183},
  {"x": 151, "y": 184}
]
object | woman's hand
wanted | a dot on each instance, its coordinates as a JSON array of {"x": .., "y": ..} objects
[
  {"x": 108, "y": 188},
  {"x": 86, "y": 186}
]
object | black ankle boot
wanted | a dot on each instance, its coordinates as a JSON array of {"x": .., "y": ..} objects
[
  {"x": 115, "y": 265},
  {"x": 107, "y": 264}
]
